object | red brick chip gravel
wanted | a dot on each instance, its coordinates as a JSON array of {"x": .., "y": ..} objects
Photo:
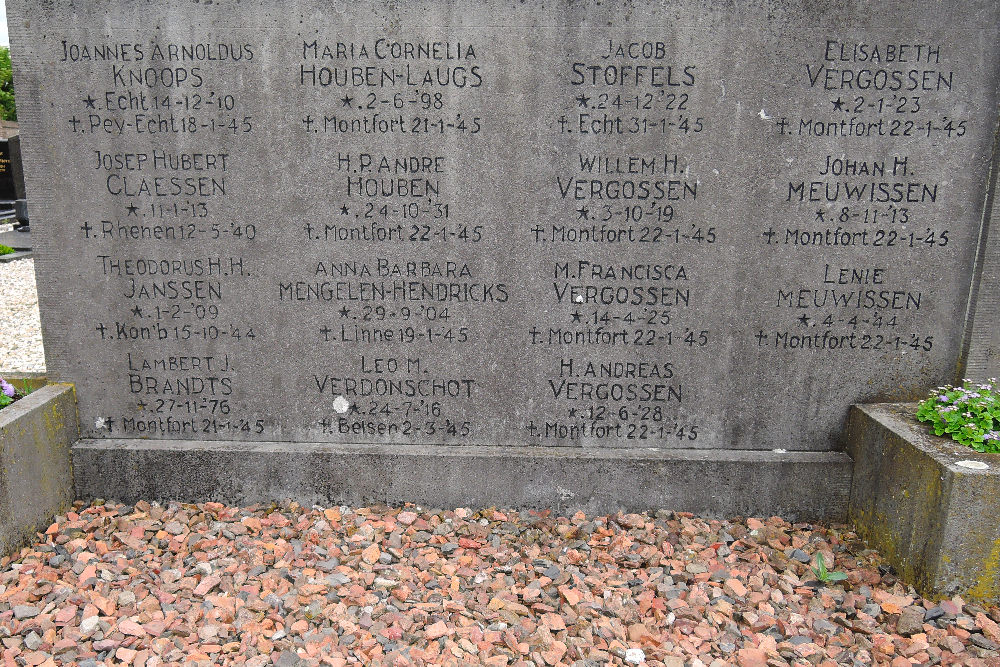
[{"x": 286, "y": 585}]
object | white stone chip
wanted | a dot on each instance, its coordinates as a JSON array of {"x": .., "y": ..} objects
[
  {"x": 973, "y": 465},
  {"x": 635, "y": 656},
  {"x": 341, "y": 404}
]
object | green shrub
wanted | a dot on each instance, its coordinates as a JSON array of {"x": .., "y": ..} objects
[
  {"x": 970, "y": 414},
  {"x": 6, "y": 249}
]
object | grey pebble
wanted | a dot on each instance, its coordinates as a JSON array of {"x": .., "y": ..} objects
[
  {"x": 32, "y": 641},
  {"x": 23, "y": 611},
  {"x": 288, "y": 659},
  {"x": 933, "y": 614},
  {"x": 174, "y": 528},
  {"x": 911, "y": 620},
  {"x": 338, "y": 579},
  {"x": 825, "y": 626},
  {"x": 800, "y": 555},
  {"x": 983, "y": 642}
]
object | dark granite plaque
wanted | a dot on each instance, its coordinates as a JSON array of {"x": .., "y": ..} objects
[
  {"x": 647, "y": 225},
  {"x": 17, "y": 171},
  {"x": 7, "y": 190}
]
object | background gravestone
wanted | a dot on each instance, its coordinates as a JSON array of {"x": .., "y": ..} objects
[
  {"x": 7, "y": 189},
  {"x": 691, "y": 228}
]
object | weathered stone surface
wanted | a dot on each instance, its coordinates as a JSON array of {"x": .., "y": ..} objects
[
  {"x": 922, "y": 511},
  {"x": 35, "y": 475},
  {"x": 772, "y": 215},
  {"x": 707, "y": 482}
]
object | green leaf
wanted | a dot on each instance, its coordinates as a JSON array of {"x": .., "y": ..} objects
[{"x": 820, "y": 568}]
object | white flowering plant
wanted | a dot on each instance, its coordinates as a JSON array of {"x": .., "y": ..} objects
[{"x": 970, "y": 414}]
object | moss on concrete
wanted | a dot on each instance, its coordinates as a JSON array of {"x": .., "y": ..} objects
[
  {"x": 931, "y": 520},
  {"x": 36, "y": 476}
]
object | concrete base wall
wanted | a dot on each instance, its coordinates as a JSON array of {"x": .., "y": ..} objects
[
  {"x": 36, "y": 479},
  {"x": 797, "y": 485},
  {"x": 935, "y": 521}
]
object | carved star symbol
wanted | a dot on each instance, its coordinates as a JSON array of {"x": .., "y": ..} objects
[
  {"x": 804, "y": 320},
  {"x": 576, "y": 316},
  {"x": 346, "y": 100},
  {"x": 584, "y": 213},
  {"x": 572, "y": 412},
  {"x": 343, "y": 210},
  {"x": 583, "y": 101},
  {"x": 345, "y": 311},
  {"x": 838, "y": 104},
  {"x": 90, "y": 102},
  {"x": 140, "y": 405},
  {"x": 133, "y": 210},
  {"x": 819, "y": 216},
  {"x": 137, "y": 311},
  {"x": 354, "y": 409}
]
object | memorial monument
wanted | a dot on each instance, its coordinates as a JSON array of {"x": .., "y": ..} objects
[{"x": 579, "y": 254}]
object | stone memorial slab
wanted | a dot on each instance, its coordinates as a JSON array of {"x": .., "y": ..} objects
[{"x": 657, "y": 226}]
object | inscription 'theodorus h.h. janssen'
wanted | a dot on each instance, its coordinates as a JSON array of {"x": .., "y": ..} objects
[{"x": 518, "y": 230}]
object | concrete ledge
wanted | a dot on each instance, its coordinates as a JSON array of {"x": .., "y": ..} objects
[
  {"x": 36, "y": 480},
  {"x": 933, "y": 520},
  {"x": 17, "y": 254},
  {"x": 797, "y": 485}
]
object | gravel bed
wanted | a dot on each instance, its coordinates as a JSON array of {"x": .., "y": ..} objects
[
  {"x": 20, "y": 330},
  {"x": 286, "y": 585}
]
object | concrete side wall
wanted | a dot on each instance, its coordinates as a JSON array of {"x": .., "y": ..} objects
[
  {"x": 896, "y": 495},
  {"x": 796, "y": 485},
  {"x": 932, "y": 519},
  {"x": 970, "y": 541},
  {"x": 36, "y": 479}
]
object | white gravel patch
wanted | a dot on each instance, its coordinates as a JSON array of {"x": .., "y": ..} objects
[{"x": 20, "y": 329}]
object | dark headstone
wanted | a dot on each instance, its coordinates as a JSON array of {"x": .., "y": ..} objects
[
  {"x": 16, "y": 169},
  {"x": 7, "y": 190}
]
